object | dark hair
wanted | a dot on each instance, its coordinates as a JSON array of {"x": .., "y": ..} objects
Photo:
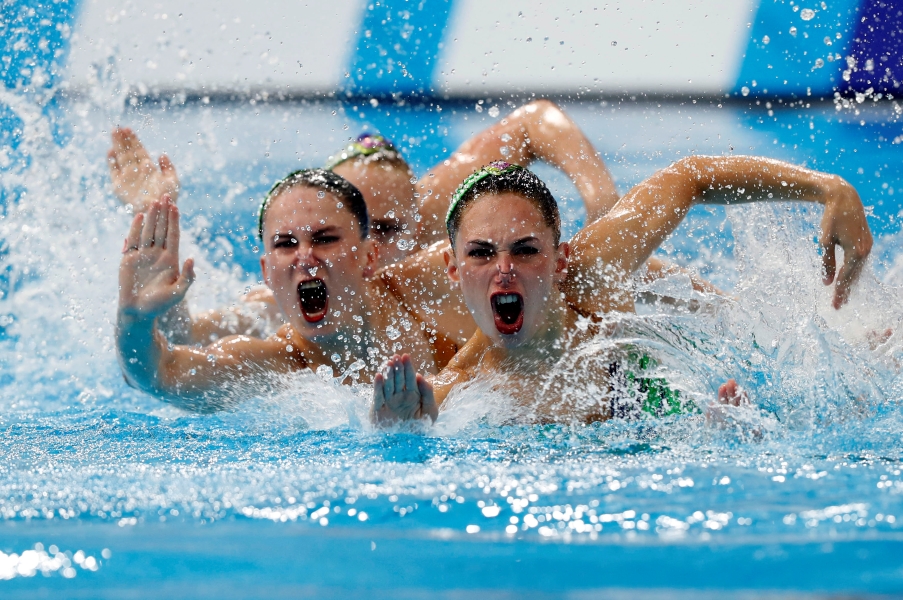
[
  {"x": 499, "y": 178},
  {"x": 327, "y": 181}
]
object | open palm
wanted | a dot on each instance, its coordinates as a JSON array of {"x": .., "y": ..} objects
[
  {"x": 150, "y": 282},
  {"x": 402, "y": 394},
  {"x": 137, "y": 180}
]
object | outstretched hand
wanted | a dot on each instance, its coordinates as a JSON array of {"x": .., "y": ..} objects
[
  {"x": 150, "y": 282},
  {"x": 402, "y": 394},
  {"x": 844, "y": 224},
  {"x": 137, "y": 181}
]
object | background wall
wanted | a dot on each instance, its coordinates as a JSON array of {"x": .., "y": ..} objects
[{"x": 469, "y": 48}]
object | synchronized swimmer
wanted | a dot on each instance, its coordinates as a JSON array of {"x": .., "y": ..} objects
[{"x": 522, "y": 291}]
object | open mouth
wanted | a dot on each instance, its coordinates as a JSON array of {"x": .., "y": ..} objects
[
  {"x": 314, "y": 300},
  {"x": 508, "y": 310}
]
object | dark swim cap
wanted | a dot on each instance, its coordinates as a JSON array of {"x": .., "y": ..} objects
[
  {"x": 499, "y": 177},
  {"x": 327, "y": 181}
]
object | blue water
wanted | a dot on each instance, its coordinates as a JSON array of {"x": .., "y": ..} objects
[{"x": 107, "y": 492}]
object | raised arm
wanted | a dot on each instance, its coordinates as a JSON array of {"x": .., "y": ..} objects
[
  {"x": 604, "y": 254},
  {"x": 151, "y": 283},
  {"x": 539, "y": 130}
]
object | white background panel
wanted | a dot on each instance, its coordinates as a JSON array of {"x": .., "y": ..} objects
[
  {"x": 663, "y": 46},
  {"x": 218, "y": 44}
]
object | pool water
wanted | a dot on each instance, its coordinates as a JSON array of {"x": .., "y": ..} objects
[{"x": 107, "y": 492}]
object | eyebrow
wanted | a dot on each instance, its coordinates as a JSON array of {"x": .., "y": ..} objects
[{"x": 320, "y": 231}]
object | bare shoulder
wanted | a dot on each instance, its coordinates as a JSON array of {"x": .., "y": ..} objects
[
  {"x": 462, "y": 368},
  {"x": 419, "y": 282}
]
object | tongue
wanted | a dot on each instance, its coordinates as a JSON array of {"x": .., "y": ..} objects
[
  {"x": 509, "y": 318},
  {"x": 314, "y": 301}
]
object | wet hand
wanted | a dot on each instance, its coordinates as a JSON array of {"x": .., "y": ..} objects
[
  {"x": 137, "y": 181},
  {"x": 150, "y": 282},
  {"x": 400, "y": 393},
  {"x": 844, "y": 224},
  {"x": 729, "y": 396}
]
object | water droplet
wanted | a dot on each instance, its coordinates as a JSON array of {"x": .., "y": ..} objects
[
  {"x": 335, "y": 358},
  {"x": 807, "y": 14},
  {"x": 766, "y": 39},
  {"x": 494, "y": 112},
  {"x": 792, "y": 31},
  {"x": 613, "y": 43},
  {"x": 744, "y": 90},
  {"x": 321, "y": 194},
  {"x": 393, "y": 332}
]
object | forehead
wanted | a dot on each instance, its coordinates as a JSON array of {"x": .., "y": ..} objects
[
  {"x": 385, "y": 186},
  {"x": 302, "y": 207},
  {"x": 501, "y": 217}
]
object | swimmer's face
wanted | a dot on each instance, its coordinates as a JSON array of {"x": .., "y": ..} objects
[
  {"x": 315, "y": 261},
  {"x": 389, "y": 194},
  {"x": 508, "y": 267}
]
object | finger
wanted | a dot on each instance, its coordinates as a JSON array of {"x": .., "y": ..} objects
[
  {"x": 168, "y": 170},
  {"x": 410, "y": 373},
  {"x": 398, "y": 373},
  {"x": 428, "y": 399},
  {"x": 114, "y": 164},
  {"x": 162, "y": 223},
  {"x": 186, "y": 278},
  {"x": 172, "y": 231},
  {"x": 828, "y": 259},
  {"x": 853, "y": 261},
  {"x": 389, "y": 385},
  {"x": 134, "y": 237},
  {"x": 150, "y": 223}
]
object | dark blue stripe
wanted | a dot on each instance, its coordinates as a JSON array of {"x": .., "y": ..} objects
[
  {"x": 877, "y": 49},
  {"x": 784, "y": 62},
  {"x": 397, "y": 47}
]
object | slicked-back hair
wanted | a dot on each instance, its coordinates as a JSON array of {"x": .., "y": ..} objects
[
  {"x": 327, "y": 181},
  {"x": 522, "y": 182}
]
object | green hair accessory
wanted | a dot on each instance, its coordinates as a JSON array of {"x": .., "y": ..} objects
[{"x": 495, "y": 168}]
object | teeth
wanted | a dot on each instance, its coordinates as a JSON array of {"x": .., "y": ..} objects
[
  {"x": 507, "y": 299},
  {"x": 310, "y": 284}
]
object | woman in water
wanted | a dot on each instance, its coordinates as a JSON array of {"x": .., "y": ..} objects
[
  {"x": 319, "y": 264},
  {"x": 403, "y": 220},
  {"x": 535, "y": 299}
]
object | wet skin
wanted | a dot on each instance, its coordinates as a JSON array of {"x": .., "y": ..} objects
[
  {"x": 504, "y": 249},
  {"x": 310, "y": 238},
  {"x": 389, "y": 194}
]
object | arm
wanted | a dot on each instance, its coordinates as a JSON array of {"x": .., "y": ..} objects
[
  {"x": 538, "y": 131},
  {"x": 137, "y": 181},
  {"x": 608, "y": 251},
  {"x": 150, "y": 284}
]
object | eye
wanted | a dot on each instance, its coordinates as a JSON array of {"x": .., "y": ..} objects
[
  {"x": 381, "y": 229},
  {"x": 480, "y": 252},
  {"x": 285, "y": 242},
  {"x": 323, "y": 240},
  {"x": 525, "y": 251}
]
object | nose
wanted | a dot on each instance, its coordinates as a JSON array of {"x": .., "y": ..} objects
[
  {"x": 505, "y": 266},
  {"x": 304, "y": 254}
]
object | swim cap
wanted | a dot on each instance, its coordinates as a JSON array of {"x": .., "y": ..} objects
[
  {"x": 497, "y": 178},
  {"x": 327, "y": 181},
  {"x": 366, "y": 144}
]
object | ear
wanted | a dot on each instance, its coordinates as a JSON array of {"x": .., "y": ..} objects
[
  {"x": 264, "y": 270},
  {"x": 370, "y": 254},
  {"x": 561, "y": 262},
  {"x": 451, "y": 267}
]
